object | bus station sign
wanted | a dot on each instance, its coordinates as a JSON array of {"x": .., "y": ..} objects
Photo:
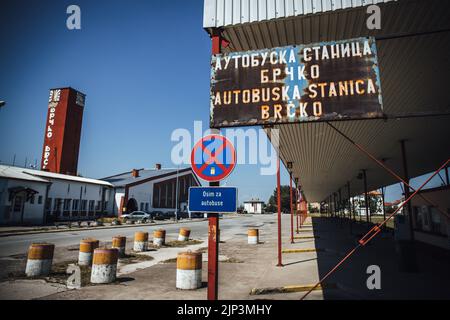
[{"x": 325, "y": 81}]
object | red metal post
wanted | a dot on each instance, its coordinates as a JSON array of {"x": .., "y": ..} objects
[
  {"x": 213, "y": 220},
  {"x": 292, "y": 210},
  {"x": 296, "y": 206},
  {"x": 280, "y": 262},
  {"x": 213, "y": 256}
]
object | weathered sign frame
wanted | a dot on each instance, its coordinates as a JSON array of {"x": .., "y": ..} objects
[{"x": 325, "y": 81}]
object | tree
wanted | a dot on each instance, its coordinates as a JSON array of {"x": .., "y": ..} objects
[{"x": 285, "y": 205}]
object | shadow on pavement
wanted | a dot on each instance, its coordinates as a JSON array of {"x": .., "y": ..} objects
[{"x": 338, "y": 237}]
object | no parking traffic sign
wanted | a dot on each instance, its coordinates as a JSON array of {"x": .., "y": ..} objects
[{"x": 213, "y": 158}]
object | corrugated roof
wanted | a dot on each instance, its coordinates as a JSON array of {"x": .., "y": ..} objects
[
  {"x": 37, "y": 175},
  {"x": 220, "y": 13},
  {"x": 17, "y": 173},
  {"x": 414, "y": 78},
  {"x": 144, "y": 174}
]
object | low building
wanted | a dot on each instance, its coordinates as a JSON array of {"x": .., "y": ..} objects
[
  {"x": 375, "y": 198},
  {"x": 33, "y": 197},
  {"x": 151, "y": 190},
  {"x": 30, "y": 197},
  {"x": 430, "y": 225},
  {"x": 254, "y": 206}
]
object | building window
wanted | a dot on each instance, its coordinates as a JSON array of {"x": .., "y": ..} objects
[
  {"x": 57, "y": 206},
  {"x": 91, "y": 206},
  {"x": 48, "y": 205},
  {"x": 75, "y": 204},
  {"x": 83, "y": 207},
  {"x": 98, "y": 206},
  {"x": 40, "y": 200},
  {"x": 146, "y": 206},
  {"x": 142, "y": 206},
  {"x": 32, "y": 199},
  {"x": 67, "y": 204},
  {"x": 17, "y": 204}
]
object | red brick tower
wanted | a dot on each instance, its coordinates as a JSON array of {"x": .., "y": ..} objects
[{"x": 63, "y": 131}]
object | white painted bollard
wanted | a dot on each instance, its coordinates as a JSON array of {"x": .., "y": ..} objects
[
  {"x": 119, "y": 242},
  {"x": 189, "y": 270},
  {"x": 87, "y": 247},
  {"x": 253, "y": 236},
  {"x": 184, "y": 234},
  {"x": 159, "y": 237},
  {"x": 104, "y": 265},
  {"x": 40, "y": 258},
  {"x": 140, "y": 241}
]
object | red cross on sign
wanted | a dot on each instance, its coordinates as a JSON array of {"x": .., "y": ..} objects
[{"x": 213, "y": 158}]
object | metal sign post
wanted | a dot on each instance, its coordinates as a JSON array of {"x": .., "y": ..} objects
[{"x": 213, "y": 158}]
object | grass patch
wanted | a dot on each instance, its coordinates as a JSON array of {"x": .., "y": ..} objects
[
  {"x": 232, "y": 260},
  {"x": 181, "y": 244},
  {"x": 59, "y": 274},
  {"x": 135, "y": 258}
]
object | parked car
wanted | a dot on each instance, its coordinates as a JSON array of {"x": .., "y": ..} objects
[
  {"x": 183, "y": 215},
  {"x": 137, "y": 216},
  {"x": 169, "y": 214},
  {"x": 158, "y": 215}
]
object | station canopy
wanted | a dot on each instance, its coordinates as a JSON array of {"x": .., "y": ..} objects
[{"x": 413, "y": 53}]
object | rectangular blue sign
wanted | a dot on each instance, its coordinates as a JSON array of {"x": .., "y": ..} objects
[{"x": 213, "y": 199}]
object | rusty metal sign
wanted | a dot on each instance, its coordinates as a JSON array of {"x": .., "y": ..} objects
[{"x": 316, "y": 82}]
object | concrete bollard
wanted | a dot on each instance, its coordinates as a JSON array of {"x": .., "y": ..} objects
[
  {"x": 40, "y": 258},
  {"x": 189, "y": 270},
  {"x": 104, "y": 265},
  {"x": 140, "y": 241},
  {"x": 184, "y": 234},
  {"x": 159, "y": 237},
  {"x": 87, "y": 247},
  {"x": 253, "y": 236},
  {"x": 119, "y": 242}
]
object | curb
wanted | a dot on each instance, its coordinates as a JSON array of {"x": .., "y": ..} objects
[
  {"x": 10, "y": 234},
  {"x": 306, "y": 237},
  {"x": 289, "y": 289},
  {"x": 301, "y": 250}
]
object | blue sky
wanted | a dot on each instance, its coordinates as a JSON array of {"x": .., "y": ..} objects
[{"x": 144, "y": 68}]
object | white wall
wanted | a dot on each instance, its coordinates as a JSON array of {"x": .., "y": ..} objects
[
  {"x": 73, "y": 190},
  {"x": 33, "y": 213},
  {"x": 251, "y": 209}
]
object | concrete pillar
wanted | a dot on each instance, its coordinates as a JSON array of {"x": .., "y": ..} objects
[
  {"x": 104, "y": 265},
  {"x": 140, "y": 241},
  {"x": 253, "y": 236},
  {"x": 119, "y": 242},
  {"x": 159, "y": 237},
  {"x": 189, "y": 270},
  {"x": 87, "y": 247},
  {"x": 40, "y": 258},
  {"x": 184, "y": 234}
]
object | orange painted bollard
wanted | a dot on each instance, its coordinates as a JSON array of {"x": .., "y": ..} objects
[
  {"x": 184, "y": 234},
  {"x": 159, "y": 237},
  {"x": 104, "y": 265},
  {"x": 189, "y": 270},
  {"x": 140, "y": 241},
  {"x": 253, "y": 236},
  {"x": 40, "y": 258},
  {"x": 119, "y": 242},
  {"x": 87, "y": 247}
]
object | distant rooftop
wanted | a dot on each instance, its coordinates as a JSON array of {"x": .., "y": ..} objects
[
  {"x": 125, "y": 178},
  {"x": 40, "y": 176}
]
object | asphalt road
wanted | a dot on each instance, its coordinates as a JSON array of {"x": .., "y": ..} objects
[{"x": 229, "y": 226}]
